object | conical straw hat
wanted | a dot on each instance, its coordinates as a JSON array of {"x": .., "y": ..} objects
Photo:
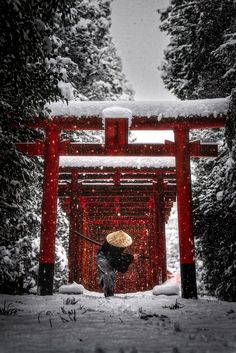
[{"x": 119, "y": 239}]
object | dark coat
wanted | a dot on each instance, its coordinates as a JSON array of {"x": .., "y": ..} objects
[{"x": 116, "y": 258}]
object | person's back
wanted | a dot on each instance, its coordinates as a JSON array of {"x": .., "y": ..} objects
[{"x": 110, "y": 258}]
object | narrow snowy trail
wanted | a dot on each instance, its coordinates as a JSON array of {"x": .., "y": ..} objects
[{"x": 139, "y": 322}]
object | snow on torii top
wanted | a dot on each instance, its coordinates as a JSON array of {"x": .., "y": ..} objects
[{"x": 127, "y": 109}]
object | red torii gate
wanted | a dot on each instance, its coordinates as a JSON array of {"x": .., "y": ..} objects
[
  {"x": 116, "y": 144},
  {"x": 152, "y": 206}
]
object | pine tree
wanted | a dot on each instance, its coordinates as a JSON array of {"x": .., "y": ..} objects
[
  {"x": 200, "y": 63},
  {"x": 27, "y": 83},
  {"x": 94, "y": 69},
  {"x": 201, "y": 50},
  {"x": 48, "y": 50}
]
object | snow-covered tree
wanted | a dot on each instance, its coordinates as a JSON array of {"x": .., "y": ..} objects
[
  {"x": 200, "y": 63},
  {"x": 45, "y": 55},
  {"x": 26, "y": 84},
  {"x": 93, "y": 68}
]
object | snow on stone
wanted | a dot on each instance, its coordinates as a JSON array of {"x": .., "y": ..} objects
[
  {"x": 167, "y": 288},
  {"x": 161, "y": 109},
  {"x": 73, "y": 288},
  {"x": 130, "y": 162}
]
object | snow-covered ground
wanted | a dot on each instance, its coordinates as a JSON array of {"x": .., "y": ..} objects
[{"x": 140, "y": 322}]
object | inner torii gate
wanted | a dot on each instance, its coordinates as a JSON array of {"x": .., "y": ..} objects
[
  {"x": 129, "y": 198},
  {"x": 116, "y": 144}
]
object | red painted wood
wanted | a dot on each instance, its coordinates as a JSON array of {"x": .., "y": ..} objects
[
  {"x": 115, "y": 221},
  {"x": 49, "y": 204},
  {"x": 74, "y": 149},
  {"x": 99, "y": 170},
  {"x": 154, "y": 243},
  {"x": 184, "y": 197},
  {"x": 113, "y": 149},
  {"x": 36, "y": 148},
  {"x": 116, "y": 135},
  {"x": 138, "y": 123},
  {"x": 159, "y": 201},
  {"x": 152, "y": 123},
  {"x": 73, "y": 239}
]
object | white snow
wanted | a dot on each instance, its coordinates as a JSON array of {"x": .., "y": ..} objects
[
  {"x": 73, "y": 288},
  {"x": 117, "y": 112},
  {"x": 220, "y": 195},
  {"x": 161, "y": 109},
  {"x": 67, "y": 90},
  {"x": 131, "y": 162},
  {"x": 172, "y": 241},
  {"x": 128, "y": 323},
  {"x": 167, "y": 288}
]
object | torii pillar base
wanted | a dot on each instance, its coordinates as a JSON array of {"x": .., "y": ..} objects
[{"x": 45, "y": 279}]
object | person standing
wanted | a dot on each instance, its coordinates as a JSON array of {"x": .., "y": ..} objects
[{"x": 111, "y": 258}]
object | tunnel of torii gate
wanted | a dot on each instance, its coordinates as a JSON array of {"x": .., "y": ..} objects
[
  {"x": 137, "y": 199},
  {"x": 101, "y": 201}
]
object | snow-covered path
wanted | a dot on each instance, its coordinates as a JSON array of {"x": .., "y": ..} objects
[{"x": 118, "y": 324}]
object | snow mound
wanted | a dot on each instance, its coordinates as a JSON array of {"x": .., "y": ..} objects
[
  {"x": 167, "y": 288},
  {"x": 73, "y": 288},
  {"x": 33, "y": 290},
  {"x": 116, "y": 112}
]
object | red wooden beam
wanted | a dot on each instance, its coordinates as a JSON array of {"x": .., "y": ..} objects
[
  {"x": 99, "y": 150},
  {"x": 123, "y": 177},
  {"x": 152, "y": 123},
  {"x": 112, "y": 189},
  {"x": 138, "y": 123},
  {"x": 98, "y": 170},
  {"x": 124, "y": 198},
  {"x": 119, "y": 221},
  {"x": 67, "y": 148},
  {"x": 69, "y": 123},
  {"x": 36, "y": 148},
  {"x": 121, "y": 204},
  {"x": 91, "y": 203}
]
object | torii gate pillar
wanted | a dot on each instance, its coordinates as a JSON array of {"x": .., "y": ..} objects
[
  {"x": 49, "y": 211},
  {"x": 73, "y": 239},
  {"x": 184, "y": 200}
]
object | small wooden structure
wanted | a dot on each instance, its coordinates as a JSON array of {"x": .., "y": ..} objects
[{"x": 145, "y": 204}]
